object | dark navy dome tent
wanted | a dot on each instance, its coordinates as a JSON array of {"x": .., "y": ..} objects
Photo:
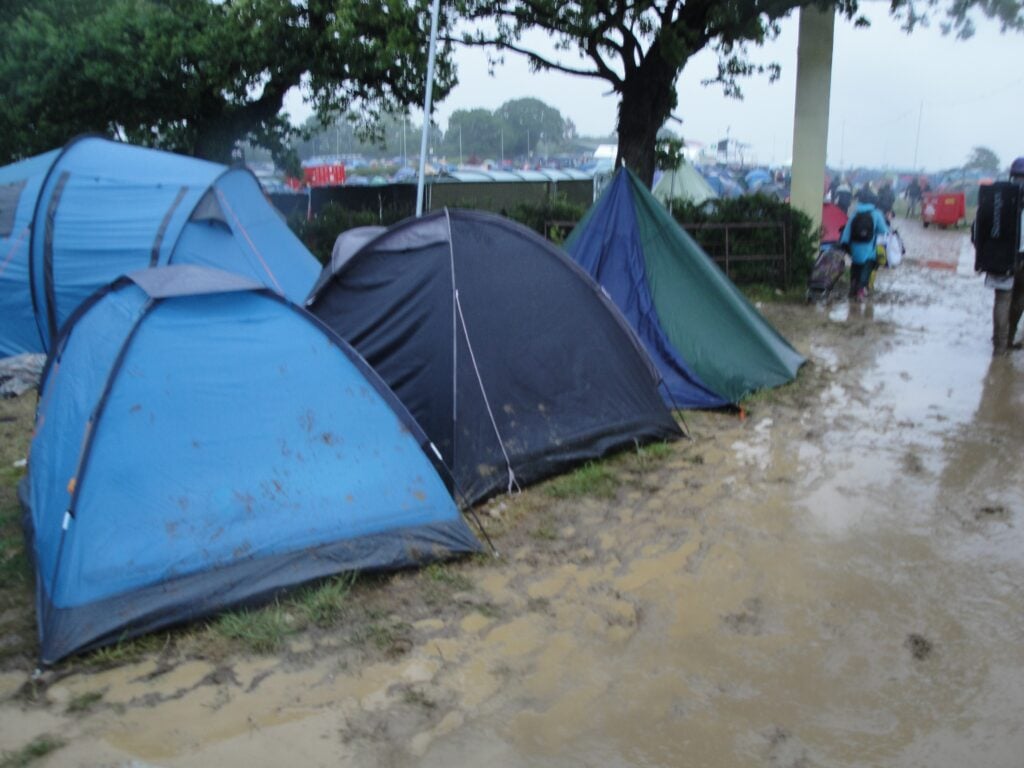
[
  {"x": 512, "y": 360},
  {"x": 75, "y": 219},
  {"x": 201, "y": 442}
]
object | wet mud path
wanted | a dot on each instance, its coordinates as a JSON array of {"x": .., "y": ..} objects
[{"x": 835, "y": 580}]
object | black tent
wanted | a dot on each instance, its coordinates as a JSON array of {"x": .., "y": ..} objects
[{"x": 510, "y": 357}]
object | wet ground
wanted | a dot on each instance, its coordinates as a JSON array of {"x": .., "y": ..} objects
[{"x": 834, "y": 580}]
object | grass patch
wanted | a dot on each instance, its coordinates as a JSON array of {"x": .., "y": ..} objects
[
  {"x": 769, "y": 294},
  {"x": 325, "y": 604},
  {"x": 418, "y": 698},
  {"x": 38, "y": 748},
  {"x": 651, "y": 454},
  {"x": 393, "y": 639},
  {"x": 84, "y": 702},
  {"x": 260, "y": 631},
  {"x": 490, "y": 610},
  {"x": 449, "y": 577},
  {"x": 14, "y": 565},
  {"x": 440, "y": 582},
  {"x": 545, "y": 531},
  {"x": 124, "y": 651},
  {"x": 589, "y": 480}
]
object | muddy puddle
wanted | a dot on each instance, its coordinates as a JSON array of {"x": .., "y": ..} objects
[{"x": 832, "y": 581}]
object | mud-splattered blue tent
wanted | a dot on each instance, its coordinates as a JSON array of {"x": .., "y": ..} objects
[
  {"x": 710, "y": 345},
  {"x": 202, "y": 442},
  {"x": 74, "y": 219}
]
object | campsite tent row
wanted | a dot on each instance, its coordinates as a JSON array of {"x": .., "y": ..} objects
[{"x": 154, "y": 496}]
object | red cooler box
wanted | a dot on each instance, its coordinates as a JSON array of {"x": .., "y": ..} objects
[{"x": 943, "y": 208}]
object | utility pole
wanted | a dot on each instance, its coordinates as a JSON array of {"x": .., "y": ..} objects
[
  {"x": 460, "y": 145},
  {"x": 431, "y": 55},
  {"x": 917, "y": 141}
]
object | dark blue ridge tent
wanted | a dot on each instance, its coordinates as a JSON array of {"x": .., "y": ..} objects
[
  {"x": 202, "y": 442},
  {"x": 74, "y": 219},
  {"x": 512, "y": 360},
  {"x": 710, "y": 345}
]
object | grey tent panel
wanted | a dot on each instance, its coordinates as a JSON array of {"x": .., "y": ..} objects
[
  {"x": 188, "y": 279},
  {"x": 10, "y": 194},
  {"x": 208, "y": 209}
]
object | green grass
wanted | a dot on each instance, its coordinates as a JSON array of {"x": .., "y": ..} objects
[
  {"x": 441, "y": 582},
  {"x": 38, "y": 748},
  {"x": 589, "y": 480},
  {"x": 545, "y": 531},
  {"x": 261, "y": 631},
  {"x": 418, "y": 698},
  {"x": 124, "y": 651},
  {"x": 84, "y": 702},
  {"x": 651, "y": 454},
  {"x": 769, "y": 294},
  {"x": 14, "y": 566},
  {"x": 392, "y": 638},
  {"x": 325, "y": 604},
  {"x": 449, "y": 577}
]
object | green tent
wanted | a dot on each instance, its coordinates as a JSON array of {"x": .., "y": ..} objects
[
  {"x": 710, "y": 345},
  {"x": 684, "y": 182}
]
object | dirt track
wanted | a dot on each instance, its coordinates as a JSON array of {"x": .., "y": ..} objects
[{"x": 832, "y": 581}]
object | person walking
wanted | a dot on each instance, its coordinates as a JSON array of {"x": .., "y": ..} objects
[
  {"x": 913, "y": 196},
  {"x": 886, "y": 198},
  {"x": 858, "y": 239},
  {"x": 1008, "y": 302},
  {"x": 843, "y": 195}
]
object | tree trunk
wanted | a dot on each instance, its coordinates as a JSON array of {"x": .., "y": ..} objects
[{"x": 648, "y": 98}]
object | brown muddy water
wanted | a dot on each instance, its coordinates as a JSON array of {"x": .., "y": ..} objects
[{"x": 835, "y": 580}]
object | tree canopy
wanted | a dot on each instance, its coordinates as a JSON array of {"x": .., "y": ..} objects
[
  {"x": 640, "y": 47},
  {"x": 982, "y": 159},
  {"x": 201, "y": 76}
]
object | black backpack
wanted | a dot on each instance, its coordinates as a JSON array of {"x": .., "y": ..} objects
[
  {"x": 862, "y": 228},
  {"x": 996, "y": 230}
]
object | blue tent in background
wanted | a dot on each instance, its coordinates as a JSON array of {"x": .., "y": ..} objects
[
  {"x": 73, "y": 220},
  {"x": 19, "y": 190},
  {"x": 190, "y": 455},
  {"x": 723, "y": 184},
  {"x": 757, "y": 178}
]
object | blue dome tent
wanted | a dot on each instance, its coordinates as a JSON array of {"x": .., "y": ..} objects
[
  {"x": 189, "y": 455},
  {"x": 74, "y": 219}
]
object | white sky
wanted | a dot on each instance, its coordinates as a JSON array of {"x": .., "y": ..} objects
[{"x": 967, "y": 93}]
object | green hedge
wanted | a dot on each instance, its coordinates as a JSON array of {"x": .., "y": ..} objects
[
  {"x": 538, "y": 217},
  {"x": 333, "y": 219},
  {"x": 803, "y": 240}
]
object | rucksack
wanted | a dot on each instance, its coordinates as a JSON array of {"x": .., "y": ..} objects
[
  {"x": 862, "y": 228},
  {"x": 996, "y": 229}
]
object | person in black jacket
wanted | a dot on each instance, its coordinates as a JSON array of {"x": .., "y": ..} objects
[
  {"x": 1008, "y": 305},
  {"x": 886, "y": 198},
  {"x": 913, "y": 196}
]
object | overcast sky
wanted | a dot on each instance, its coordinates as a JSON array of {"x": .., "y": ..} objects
[{"x": 966, "y": 93}]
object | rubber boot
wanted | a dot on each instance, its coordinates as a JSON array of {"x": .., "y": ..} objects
[{"x": 1001, "y": 323}]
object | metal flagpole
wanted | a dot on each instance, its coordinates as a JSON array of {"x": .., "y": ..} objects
[{"x": 434, "y": 11}]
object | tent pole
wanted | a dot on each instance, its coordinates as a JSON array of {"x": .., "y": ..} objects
[{"x": 434, "y": 10}]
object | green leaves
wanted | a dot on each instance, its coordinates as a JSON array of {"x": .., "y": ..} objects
[{"x": 201, "y": 76}]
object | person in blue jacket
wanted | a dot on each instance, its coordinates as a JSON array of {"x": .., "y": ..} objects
[{"x": 859, "y": 236}]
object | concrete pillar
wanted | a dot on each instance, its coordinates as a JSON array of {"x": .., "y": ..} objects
[{"x": 810, "y": 121}]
